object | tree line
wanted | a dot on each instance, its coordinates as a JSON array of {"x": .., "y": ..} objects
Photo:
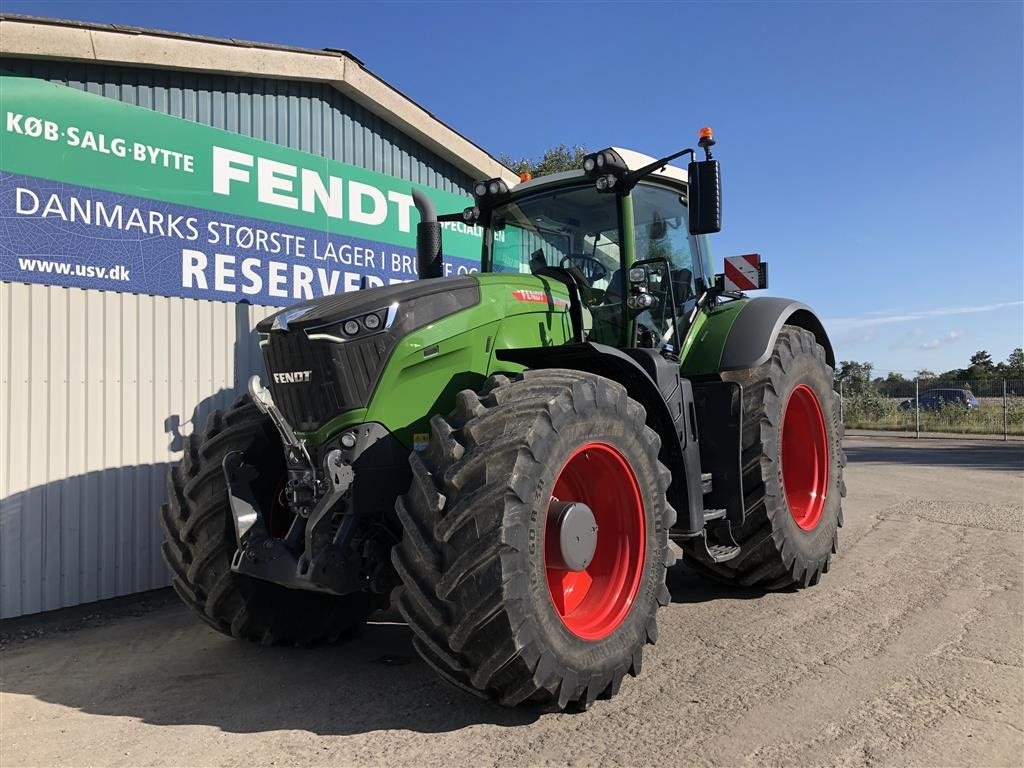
[{"x": 856, "y": 376}]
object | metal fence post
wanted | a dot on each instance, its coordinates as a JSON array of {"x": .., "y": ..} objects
[
  {"x": 917, "y": 407},
  {"x": 1006, "y": 430},
  {"x": 842, "y": 415}
]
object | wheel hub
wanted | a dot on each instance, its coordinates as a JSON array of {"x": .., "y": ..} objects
[{"x": 577, "y": 534}]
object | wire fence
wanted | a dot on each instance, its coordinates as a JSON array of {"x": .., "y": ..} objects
[{"x": 992, "y": 407}]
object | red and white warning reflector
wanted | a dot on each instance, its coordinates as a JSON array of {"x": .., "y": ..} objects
[{"x": 745, "y": 273}]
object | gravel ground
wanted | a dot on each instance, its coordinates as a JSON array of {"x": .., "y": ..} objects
[{"x": 908, "y": 653}]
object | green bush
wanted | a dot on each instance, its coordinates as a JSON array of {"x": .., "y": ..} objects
[{"x": 870, "y": 410}]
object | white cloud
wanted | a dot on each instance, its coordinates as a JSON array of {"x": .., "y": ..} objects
[
  {"x": 842, "y": 323},
  {"x": 948, "y": 338}
]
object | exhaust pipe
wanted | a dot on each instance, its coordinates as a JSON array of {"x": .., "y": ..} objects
[{"x": 428, "y": 238}]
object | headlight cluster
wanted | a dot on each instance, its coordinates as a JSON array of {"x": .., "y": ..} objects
[
  {"x": 491, "y": 188},
  {"x": 641, "y": 301},
  {"x": 605, "y": 161},
  {"x": 607, "y": 167},
  {"x": 354, "y": 327}
]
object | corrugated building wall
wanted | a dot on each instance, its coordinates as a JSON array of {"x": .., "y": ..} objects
[{"x": 97, "y": 388}]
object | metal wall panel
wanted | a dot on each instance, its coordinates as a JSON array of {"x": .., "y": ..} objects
[
  {"x": 312, "y": 117},
  {"x": 96, "y": 388},
  {"x": 96, "y": 391}
]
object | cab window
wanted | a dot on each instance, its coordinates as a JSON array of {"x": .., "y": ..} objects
[{"x": 660, "y": 231}]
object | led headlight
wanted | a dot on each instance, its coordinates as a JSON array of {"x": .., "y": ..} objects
[
  {"x": 372, "y": 322},
  {"x": 351, "y": 327},
  {"x": 489, "y": 188},
  {"x": 605, "y": 161},
  {"x": 640, "y": 301},
  {"x": 638, "y": 275}
]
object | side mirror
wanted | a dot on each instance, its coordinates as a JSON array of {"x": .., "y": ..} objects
[{"x": 704, "y": 197}]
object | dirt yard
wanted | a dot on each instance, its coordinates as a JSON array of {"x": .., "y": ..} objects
[{"x": 908, "y": 653}]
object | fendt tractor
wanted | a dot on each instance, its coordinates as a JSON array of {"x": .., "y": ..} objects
[{"x": 512, "y": 457}]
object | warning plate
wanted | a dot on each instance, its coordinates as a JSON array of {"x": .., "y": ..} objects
[{"x": 745, "y": 273}]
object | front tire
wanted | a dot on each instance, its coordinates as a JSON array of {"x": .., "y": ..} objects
[
  {"x": 492, "y": 608},
  {"x": 199, "y": 541},
  {"x": 792, "y": 470}
]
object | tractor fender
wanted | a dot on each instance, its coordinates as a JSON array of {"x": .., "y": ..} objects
[
  {"x": 656, "y": 384},
  {"x": 752, "y": 337}
]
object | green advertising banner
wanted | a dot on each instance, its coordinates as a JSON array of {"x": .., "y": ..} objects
[{"x": 99, "y": 194}]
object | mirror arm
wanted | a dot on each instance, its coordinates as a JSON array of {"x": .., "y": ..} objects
[{"x": 630, "y": 179}]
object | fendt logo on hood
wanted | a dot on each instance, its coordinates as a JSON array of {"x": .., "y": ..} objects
[{"x": 292, "y": 377}]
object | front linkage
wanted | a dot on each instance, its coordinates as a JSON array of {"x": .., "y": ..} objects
[{"x": 308, "y": 541}]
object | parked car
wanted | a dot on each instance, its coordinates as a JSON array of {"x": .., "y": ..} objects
[{"x": 937, "y": 399}]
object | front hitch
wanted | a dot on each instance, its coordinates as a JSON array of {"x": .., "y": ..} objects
[{"x": 309, "y": 556}]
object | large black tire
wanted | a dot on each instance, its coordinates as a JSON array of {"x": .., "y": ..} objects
[
  {"x": 471, "y": 561},
  {"x": 776, "y": 552},
  {"x": 199, "y": 541}
]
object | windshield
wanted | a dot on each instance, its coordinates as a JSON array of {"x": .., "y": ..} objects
[{"x": 577, "y": 225}]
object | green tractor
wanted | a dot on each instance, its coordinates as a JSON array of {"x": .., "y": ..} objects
[{"x": 513, "y": 457}]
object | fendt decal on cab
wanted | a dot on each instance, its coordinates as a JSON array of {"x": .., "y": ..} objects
[{"x": 538, "y": 297}]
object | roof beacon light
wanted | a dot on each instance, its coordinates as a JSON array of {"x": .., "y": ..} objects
[
  {"x": 706, "y": 140},
  {"x": 525, "y": 176}
]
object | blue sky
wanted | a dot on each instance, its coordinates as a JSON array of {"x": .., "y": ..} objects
[{"x": 872, "y": 153}]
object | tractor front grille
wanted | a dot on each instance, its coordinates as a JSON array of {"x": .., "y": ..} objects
[{"x": 342, "y": 375}]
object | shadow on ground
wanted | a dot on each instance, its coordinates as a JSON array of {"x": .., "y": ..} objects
[
  {"x": 1006, "y": 456},
  {"x": 151, "y": 659},
  {"x": 168, "y": 668},
  {"x": 688, "y": 587}
]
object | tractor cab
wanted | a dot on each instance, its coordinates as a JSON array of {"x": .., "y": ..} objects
[
  {"x": 596, "y": 238},
  {"x": 618, "y": 233}
]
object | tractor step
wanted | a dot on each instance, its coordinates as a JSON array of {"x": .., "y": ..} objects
[
  {"x": 706, "y": 483},
  {"x": 713, "y": 514},
  {"x": 719, "y": 543},
  {"x": 721, "y": 552}
]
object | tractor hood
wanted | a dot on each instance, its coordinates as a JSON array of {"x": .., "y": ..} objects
[
  {"x": 326, "y": 356},
  {"x": 448, "y": 295}
]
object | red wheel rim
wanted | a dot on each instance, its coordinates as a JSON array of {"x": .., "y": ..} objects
[
  {"x": 804, "y": 457},
  {"x": 592, "y": 603}
]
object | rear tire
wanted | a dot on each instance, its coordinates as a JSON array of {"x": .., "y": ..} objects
[
  {"x": 479, "y": 588},
  {"x": 199, "y": 541},
  {"x": 790, "y": 411}
]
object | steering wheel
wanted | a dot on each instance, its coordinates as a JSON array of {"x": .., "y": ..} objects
[{"x": 592, "y": 269}]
